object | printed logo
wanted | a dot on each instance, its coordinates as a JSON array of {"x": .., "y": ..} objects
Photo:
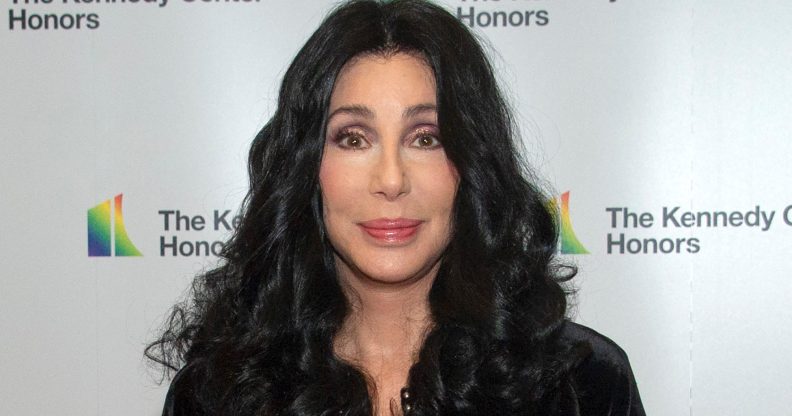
[
  {"x": 567, "y": 239},
  {"x": 106, "y": 231}
]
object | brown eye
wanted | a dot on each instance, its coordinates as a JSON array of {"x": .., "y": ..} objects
[
  {"x": 351, "y": 140},
  {"x": 427, "y": 141}
]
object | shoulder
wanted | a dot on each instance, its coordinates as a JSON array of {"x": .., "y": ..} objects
[
  {"x": 603, "y": 349},
  {"x": 180, "y": 400},
  {"x": 603, "y": 383}
]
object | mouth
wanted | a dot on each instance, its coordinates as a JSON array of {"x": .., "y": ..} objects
[{"x": 391, "y": 231}]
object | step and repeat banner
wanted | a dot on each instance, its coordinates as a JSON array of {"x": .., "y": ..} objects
[{"x": 663, "y": 127}]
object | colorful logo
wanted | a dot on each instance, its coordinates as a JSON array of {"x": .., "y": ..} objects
[
  {"x": 568, "y": 240},
  {"x": 106, "y": 231}
]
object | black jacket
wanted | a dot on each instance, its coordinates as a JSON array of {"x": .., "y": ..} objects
[{"x": 603, "y": 385}]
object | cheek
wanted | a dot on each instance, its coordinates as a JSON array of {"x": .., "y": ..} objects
[
  {"x": 337, "y": 182},
  {"x": 439, "y": 183},
  {"x": 452, "y": 182}
]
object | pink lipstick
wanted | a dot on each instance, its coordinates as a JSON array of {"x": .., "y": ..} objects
[{"x": 391, "y": 231}]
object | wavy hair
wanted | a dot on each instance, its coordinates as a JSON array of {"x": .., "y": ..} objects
[{"x": 256, "y": 338}]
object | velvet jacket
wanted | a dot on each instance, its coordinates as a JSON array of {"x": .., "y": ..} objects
[{"x": 602, "y": 385}]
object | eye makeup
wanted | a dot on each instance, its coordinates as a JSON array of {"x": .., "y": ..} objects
[
  {"x": 355, "y": 137},
  {"x": 418, "y": 138}
]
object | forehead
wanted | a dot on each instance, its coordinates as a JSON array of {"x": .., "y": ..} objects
[{"x": 374, "y": 79}]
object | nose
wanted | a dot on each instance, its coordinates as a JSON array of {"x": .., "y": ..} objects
[{"x": 389, "y": 177}]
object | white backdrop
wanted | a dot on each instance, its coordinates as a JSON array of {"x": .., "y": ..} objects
[{"x": 653, "y": 108}]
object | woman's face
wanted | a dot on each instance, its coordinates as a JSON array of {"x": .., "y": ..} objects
[{"x": 387, "y": 186}]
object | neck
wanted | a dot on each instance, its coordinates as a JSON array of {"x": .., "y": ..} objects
[
  {"x": 384, "y": 330},
  {"x": 385, "y": 318}
]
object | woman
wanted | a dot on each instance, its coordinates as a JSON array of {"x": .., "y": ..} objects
[{"x": 394, "y": 257}]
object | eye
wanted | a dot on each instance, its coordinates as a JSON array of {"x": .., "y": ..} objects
[
  {"x": 352, "y": 140},
  {"x": 426, "y": 140}
]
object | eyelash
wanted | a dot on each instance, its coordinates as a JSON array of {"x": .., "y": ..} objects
[
  {"x": 420, "y": 134},
  {"x": 345, "y": 134}
]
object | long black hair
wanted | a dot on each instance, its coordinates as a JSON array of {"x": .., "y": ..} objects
[{"x": 257, "y": 336}]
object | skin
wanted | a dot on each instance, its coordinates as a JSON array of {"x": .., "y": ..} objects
[{"x": 383, "y": 159}]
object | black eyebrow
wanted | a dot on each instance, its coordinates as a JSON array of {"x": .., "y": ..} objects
[
  {"x": 363, "y": 111},
  {"x": 419, "y": 109},
  {"x": 355, "y": 110}
]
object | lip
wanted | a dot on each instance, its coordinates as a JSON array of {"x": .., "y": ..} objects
[{"x": 391, "y": 230}]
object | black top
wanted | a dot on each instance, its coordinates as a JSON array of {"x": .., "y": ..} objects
[{"x": 603, "y": 384}]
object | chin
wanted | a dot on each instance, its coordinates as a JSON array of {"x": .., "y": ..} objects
[
  {"x": 396, "y": 272},
  {"x": 393, "y": 278}
]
